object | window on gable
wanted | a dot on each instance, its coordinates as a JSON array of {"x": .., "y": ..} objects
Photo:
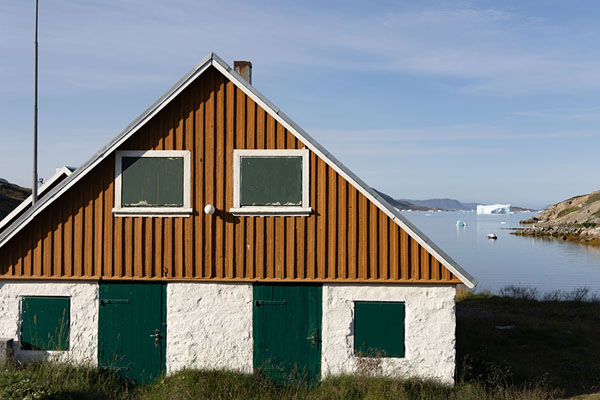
[
  {"x": 379, "y": 329},
  {"x": 152, "y": 182},
  {"x": 45, "y": 323},
  {"x": 271, "y": 182}
]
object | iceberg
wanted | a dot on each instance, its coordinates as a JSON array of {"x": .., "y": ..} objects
[{"x": 493, "y": 209}]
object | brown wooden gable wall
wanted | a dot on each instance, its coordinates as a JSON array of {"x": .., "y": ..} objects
[{"x": 346, "y": 239}]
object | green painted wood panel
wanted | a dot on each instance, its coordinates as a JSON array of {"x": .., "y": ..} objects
[
  {"x": 45, "y": 323},
  {"x": 379, "y": 328},
  {"x": 152, "y": 182},
  {"x": 286, "y": 325},
  {"x": 271, "y": 181},
  {"x": 130, "y": 315}
]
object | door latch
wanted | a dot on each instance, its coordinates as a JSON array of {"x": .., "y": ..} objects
[
  {"x": 313, "y": 338},
  {"x": 157, "y": 336}
]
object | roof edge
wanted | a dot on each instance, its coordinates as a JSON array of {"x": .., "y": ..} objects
[{"x": 223, "y": 67}]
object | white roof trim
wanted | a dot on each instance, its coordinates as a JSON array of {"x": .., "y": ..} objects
[
  {"x": 283, "y": 119},
  {"x": 66, "y": 171}
]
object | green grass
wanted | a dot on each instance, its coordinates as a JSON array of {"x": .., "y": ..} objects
[
  {"x": 567, "y": 211},
  {"x": 596, "y": 214},
  {"x": 552, "y": 351},
  {"x": 593, "y": 198}
]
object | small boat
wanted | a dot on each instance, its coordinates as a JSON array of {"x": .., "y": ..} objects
[
  {"x": 492, "y": 236},
  {"x": 461, "y": 223}
]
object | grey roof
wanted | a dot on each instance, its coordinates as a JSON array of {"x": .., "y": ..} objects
[{"x": 214, "y": 60}]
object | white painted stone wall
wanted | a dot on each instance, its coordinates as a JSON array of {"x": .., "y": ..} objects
[
  {"x": 429, "y": 330},
  {"x": 209, "y": 326},
  {"x": 83, "y": 343}
]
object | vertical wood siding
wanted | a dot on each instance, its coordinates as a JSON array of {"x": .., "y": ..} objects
[{"x": 347, "y": 238}]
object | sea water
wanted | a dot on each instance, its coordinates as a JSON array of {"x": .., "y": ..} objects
[{"x": 546, "y": 264}]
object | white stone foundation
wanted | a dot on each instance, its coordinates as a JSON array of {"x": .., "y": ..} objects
[
  {"x": 430, "y": 325},
  {"x": 83, "y": 336},
  {"x": 209, "y": 326}
]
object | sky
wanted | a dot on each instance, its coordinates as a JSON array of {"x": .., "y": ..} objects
[{"x": 481, "y": 101}]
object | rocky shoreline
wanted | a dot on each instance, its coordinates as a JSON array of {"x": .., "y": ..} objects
[
  {"x": 576, "y": 219},
  {"x": 572, "y": 232}
]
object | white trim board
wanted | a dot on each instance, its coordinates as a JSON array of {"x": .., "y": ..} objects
[
  {"x": 184, "y": 210},
  {"x": 27, "y": 202},
  {"x": 186, "y": 80}
]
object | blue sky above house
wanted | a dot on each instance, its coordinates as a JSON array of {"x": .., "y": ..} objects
[{"x": 475, "y": 100}]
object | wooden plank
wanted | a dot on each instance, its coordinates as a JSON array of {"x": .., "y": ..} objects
[
  {"x": 291, "y": 267},
  {"x": 199, "y": 131},
  {"x": 28, "y": 259},
  {"x": 332, "y": 223},
  {"x": 414, "y": 258},
  {"x": 425, "y": 264},
  {"x": 178, "y": 142},
  {"x": 311, "y": 223},
  {"x": 98, "y": 225},
  {"x": 321, "y": 220},
  {"x": 394, "y": 252},
  {"x": 78, "y": 231},
  {"x": 435, "y": 269},
  {"x": 342, "y": 205},
  {"x": 128, "y": 247},
  {"x": 300, "y": 268},
  {"x": 46, "y": 222},
  {"x": 88, "y": 227},
  {"x": 230, "y": 128},
  {"x": 138, "y": 247},
  {"x": 57, "y": 241},
  {"x": 241, "y": 268},
  {"x": 363, "y": 237},
  {"x": 352, "y": 232},
  {"x": 159, "y": 265},
  {"x": 219, "y": 225},
  {"x": 209, "y": 177},
  {"x": 188, "y": 223},
  {"x": 67, "y": 235},
  {"x": 383, "y": 246},
  {"x": 109, "y": 202},
  {"x": 373, "y": 241},
  {"x": 404, "y": 256}
]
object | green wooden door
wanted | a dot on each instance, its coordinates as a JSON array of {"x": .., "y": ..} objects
[
  {"x": 287, "y": 332},
  {"x": 132, "y": 329}
]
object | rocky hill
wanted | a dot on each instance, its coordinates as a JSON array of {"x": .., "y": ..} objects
[
  {"x": 11, "y": 195},
  {"x": 577, "y": 218}
]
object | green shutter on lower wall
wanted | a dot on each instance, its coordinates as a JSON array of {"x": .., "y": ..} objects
[
  {"x": 379, "y": 329},
  {"x": 270, "y": 181},
  {"x": 152, "y": 182},
  {"x": 45, "y": 323}
]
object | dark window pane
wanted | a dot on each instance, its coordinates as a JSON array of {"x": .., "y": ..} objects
[
  {"x": 271, "y": 181},
  {"x": 45, "y": 323},
  {"x": 152, "y": 182},
  {"x": 379, "y": 329}
]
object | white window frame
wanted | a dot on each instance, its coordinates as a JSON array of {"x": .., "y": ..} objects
[
  {"x": 184, "y": 211},
  {"x": 302, "y": 210}
]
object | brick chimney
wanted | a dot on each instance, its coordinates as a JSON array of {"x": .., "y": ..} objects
[{"x": 244, "y": 68}]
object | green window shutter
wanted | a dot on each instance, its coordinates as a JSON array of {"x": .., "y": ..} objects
[
  {"x": 271, "y": 181},
  {"x": 45, "y": 323},
  {"x": 152, "y": 182},
  {"x": 379, "y": 329}
]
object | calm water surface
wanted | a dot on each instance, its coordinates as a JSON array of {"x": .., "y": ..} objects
[{"x": 547, "y": 264}]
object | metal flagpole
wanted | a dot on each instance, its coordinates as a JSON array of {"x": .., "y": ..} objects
[{"x": 34, "y": 188}]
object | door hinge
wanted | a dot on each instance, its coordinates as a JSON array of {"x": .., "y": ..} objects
[
  {"x": 113, "y": 301},
  {"x": 259, "y": 303}
]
